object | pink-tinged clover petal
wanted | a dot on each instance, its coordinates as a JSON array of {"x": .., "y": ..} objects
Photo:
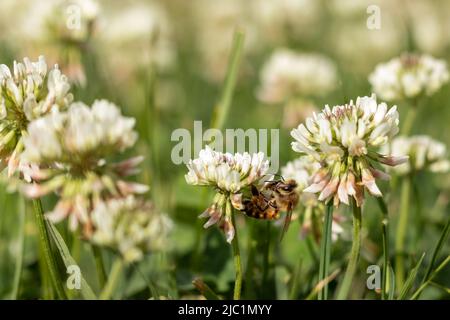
[{"x": 393, "y": 161}]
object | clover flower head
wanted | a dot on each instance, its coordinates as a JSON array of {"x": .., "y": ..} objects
[
  {"x": 344, "y": 140},
  {"x": 130, "y": 226},
  {"x": 67, "y": 152},
  {"x": 226, "y": 172},
  {"x": 28, "y": 92},
  {"x": 409, "y": 76},
  {"x": 424, "y": 153},
  {"x": 302, "y": 170},
  {"x": 288, "y": 74}
]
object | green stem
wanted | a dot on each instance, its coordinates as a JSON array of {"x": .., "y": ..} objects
[
  {"x": 409, "y": 120},
  {"x": 401, "y": 233},
  {"x": 354, "y": 255},
  {"x": 48, "y": 256},
  {"x": 100, "y": 266},
  {"x": 251, "y": 251},
  {"x": 21, "y": 240},
  {"x": 266, "y": 255},
  {"x": 113, "y": 280},
  {"x": 223, "y": 107},
  {"x": 295, "y": 279},
  {"x": 151, "y": 286},
  {"x": 325, "y": 251},
  {"x": 385, "y": 240},
  {"x": 236, "y": 255}
]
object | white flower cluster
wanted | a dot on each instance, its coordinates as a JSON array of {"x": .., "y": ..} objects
[
  {"x": 59, "y": 20},
  {"x": 27, "y": 93},
  {"x": 130, "y": 226},
  {"x": 289, "y": 74},
  {"x": 409, "y": 76},
  {"x": 424, "y": 153},
  {"x": 227, "y": 172},
  {"x": 302, "y": 170},
  {"x": 65, "y": 148},
  {"x": 67, "y": 152},
  {"x": 344, "y": 140},
  {"x": 79, "y": 134}
]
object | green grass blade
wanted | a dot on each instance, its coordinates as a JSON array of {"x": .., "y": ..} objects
[
  {"x": 437, "y": 249},
  {"x": 86, "y": 290},
  {"x": 410, "y": 280},
  {"x": 223, "y": 107},
  {"x": 21, "y": 241},
  {"x": 391, "y": 281},
  {"x": 432, "y": 275}
]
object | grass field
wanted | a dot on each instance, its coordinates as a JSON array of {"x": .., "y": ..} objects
[{"x": 170, "y": 63}]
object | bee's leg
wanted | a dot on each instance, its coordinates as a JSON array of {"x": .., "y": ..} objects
[
  {"x": 273, "y": 203},
  {"x": 255, "y": 191}
]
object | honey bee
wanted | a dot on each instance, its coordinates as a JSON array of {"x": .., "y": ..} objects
[
  {"x": 258, "y": 206},
  {"x": 267, "y": 203},
  {"x": 285, "y": 196}
]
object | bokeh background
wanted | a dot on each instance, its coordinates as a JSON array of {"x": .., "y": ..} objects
[{"x": 164, "y": 62}]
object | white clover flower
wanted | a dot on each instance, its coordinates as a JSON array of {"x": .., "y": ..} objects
[
  {"x": 146, "y": 39},
  {"x": 424, "y": 153},
  {"x": 288, "y": 74},
  {"x": 301, "y": 170},
  {"x": 228, "y": 174},
  {"x": 345, "y": 140},
  {"x": 67, "y": 152},
  {"x": 81, "y": 132},
  {"x": 130, "y": 226},
  {"x": 28, "y": 92},
  {"x": 409, "y": 76},
  {"x": 60, "y": 20}
]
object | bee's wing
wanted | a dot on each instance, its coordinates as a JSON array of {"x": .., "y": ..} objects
[{"x": 287, "y": 221}]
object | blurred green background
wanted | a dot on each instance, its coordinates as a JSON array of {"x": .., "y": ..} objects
[{"x": 164, "y": 63}]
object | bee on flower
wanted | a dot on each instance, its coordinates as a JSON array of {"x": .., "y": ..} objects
[
  {"x": 67, "y": 153},
  {"x": 409, "y": 76},
  {"x": 27, "y": 92},
  {"x": 228, "y": 174},
  {"x": 424, "y": 153},
  {"x": 345, "y": 140},
  {"x": 130, "y": 226}
]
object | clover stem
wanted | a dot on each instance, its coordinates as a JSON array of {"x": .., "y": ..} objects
[
  {"x": 325, "y": 251},
  {"x": 236, "y": 255},
  {"x": 354, "y": 254}
]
